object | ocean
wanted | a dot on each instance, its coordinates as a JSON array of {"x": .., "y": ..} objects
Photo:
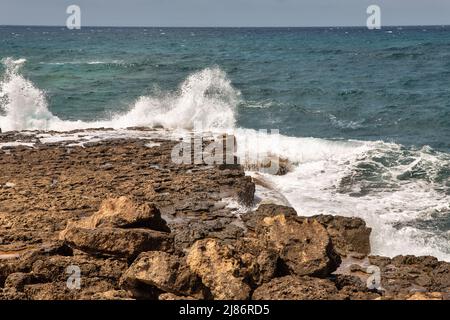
[{"x": 363, "y": 115}]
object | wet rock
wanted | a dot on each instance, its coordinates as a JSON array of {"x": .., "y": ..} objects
[
  {"x": 353, "y": 288},
  {"x": 219, "y": 269},
  {"x": 304, "y": 246},
  {"x": 167, "y": 272},
  {"x": 297, "y": 288},
  {"x": 271, "y": 164}
]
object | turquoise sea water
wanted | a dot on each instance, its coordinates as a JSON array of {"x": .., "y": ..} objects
[
  {"x": 324, "y": 82},
  {"x": 364, "y": 115}
]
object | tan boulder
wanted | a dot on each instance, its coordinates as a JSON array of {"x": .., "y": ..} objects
[
  {"x": 219, "y": 268},
  {"x": 117, "y": 242},
  {"x": 164, "y": 271},
  {"x": 124, "y": 213},
  {"x": 304, "y": 246}
]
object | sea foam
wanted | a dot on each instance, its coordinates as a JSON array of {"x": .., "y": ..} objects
[{"x": 391, "y": 187}]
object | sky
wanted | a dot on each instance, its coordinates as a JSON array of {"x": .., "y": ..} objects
[{"x": 225, "y": 13}]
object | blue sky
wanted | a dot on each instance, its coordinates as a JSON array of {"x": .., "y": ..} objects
[{"x": 225, "y": 12}]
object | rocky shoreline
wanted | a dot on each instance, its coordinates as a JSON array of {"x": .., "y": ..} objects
[{"x": 134, "y": 225}]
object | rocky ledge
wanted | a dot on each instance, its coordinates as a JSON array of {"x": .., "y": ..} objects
[{"x": 119, "y": 220}]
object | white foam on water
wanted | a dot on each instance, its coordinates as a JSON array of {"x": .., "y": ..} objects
[
  {"x": 206, "y": 97},
  {"x": 315, "y": 186},
  {"x": 327, "y": 176}
]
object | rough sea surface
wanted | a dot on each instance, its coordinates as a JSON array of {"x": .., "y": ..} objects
[{"x": 364, "y": 116}]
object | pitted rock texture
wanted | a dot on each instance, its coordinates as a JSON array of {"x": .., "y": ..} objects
[{"x": 135, "y": 225}]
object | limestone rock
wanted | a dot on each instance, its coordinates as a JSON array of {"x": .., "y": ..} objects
[
  {"x": 112, "y": 295},
  {"x": 403, "y": 275},
  {"x": 297, "y": 288},
  {"x": 253, "y": 218},
  {"x": 164, "y": 271},
  {"x": 259, "y": 262},
  {"x": 429, "y": 296},
  {"x": 173, "y": 297},
  {"x": 124, "y": 213},
  {"x": 350, "y": 236},
  {"x": 219, "y": 269},
  {"x": 304, "y": 246},
  {"x": 117, "y": 242}
]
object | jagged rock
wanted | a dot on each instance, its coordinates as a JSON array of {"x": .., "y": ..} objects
[
  {"x": 350, "y": 236},
  {"x": 173, "y": 297},
  {"x": 297, "y": 288},
  {"x": 60, "y": 290},
  {"x": 187, "y": 233},
  {"x": 112, "y": 295},
  {"x": 260, "y": 263},
  {"x": 119, "y": 228},
  {"x": 124, "y": 213},
  {"x": 12, "y": 294},
  {"x": 117, "y": 242},
  {"x": 56, "y": 268},
  {"x": 404, "y": 275},
  {"x": 304, "y": 246},
  {"x": 253, "y": 218},
  {"x": 353, "y": 288},
  {"x": 219, "y": 269},
  {"x": 18, "y": 280},
  {"x": 164, "y": 271}
]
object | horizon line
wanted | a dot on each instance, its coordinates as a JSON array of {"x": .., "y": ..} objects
[{"x": 230, "y": 27}]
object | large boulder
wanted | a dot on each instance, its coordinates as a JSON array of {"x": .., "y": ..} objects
[
  {"x": 304, "y": 246},
  {"x": 120, "y": 228},
  {"x": 297, "y": 288},
  {"x": 253, "y": 218},
  {"x": 219, "y": 268},
  {"x": 124, "y": 213},
  {"x": 259, "y": 263},
  {"x": 350, "y": 236},
  {"x": 127, "y": 243},
  {"x": 165, "y": 271}
]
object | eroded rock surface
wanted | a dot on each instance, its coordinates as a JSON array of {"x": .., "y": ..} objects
[
  {"x": 219, "y": 268},
  {"x": 135, "y": 225}
]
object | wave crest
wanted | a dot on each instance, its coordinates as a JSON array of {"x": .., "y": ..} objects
[{"x": 205, "y": 99}]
